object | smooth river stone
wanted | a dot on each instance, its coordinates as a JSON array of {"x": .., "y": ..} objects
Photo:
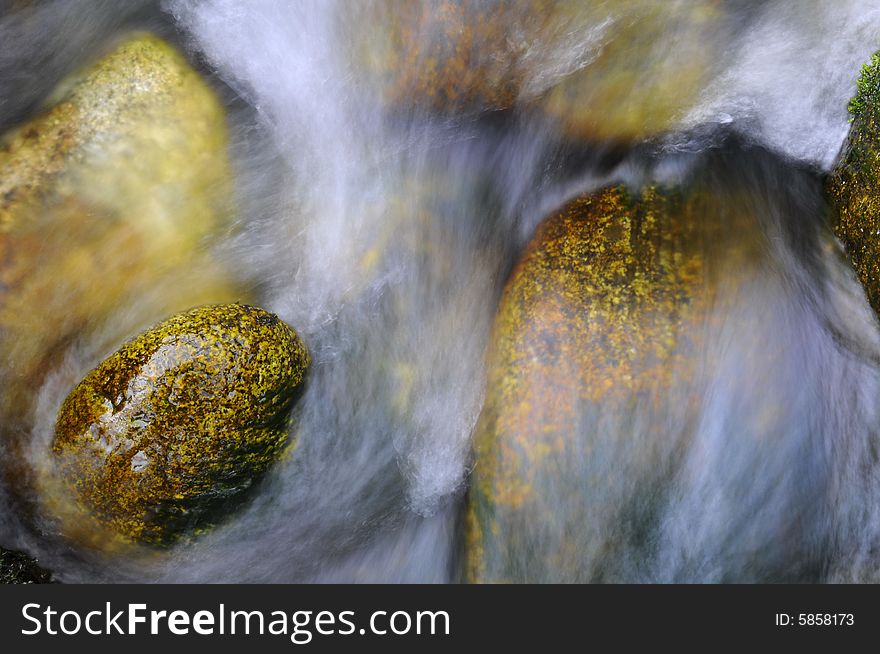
[
  {"x": 180, "y": 420},
  {"x": 594, "y": 377}
]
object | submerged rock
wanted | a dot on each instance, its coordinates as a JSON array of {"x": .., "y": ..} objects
[
  {"x": 107, "y": 201},
  {"x": 19, "y": 568},
  {"x": 106, "y": 193},
  {"x": 622, "y": 71},
  {"x": 180, "y": 419},
  {"x": 649, "y": 64},
  {"x": 853, "y": 185},
  {"x": 141, "y": 106}
]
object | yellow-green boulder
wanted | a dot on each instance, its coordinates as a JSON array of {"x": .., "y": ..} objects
[
  {"x": 654, "y": 60},
  {"x": 181, "y": 419}
]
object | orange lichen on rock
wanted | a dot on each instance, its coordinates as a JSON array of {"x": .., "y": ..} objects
[
  {"x": 179, "y": 420},
  {"x": 601, "y": 316}
]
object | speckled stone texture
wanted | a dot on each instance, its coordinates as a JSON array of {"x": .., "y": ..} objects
[
  {"x": 598, "y": 315},
  {"x": 853, "y": 185},
  {"x": 109, "y": 198},
  {"x": 180, "y": 419}
]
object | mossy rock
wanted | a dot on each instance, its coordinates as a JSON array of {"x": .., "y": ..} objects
[
  {"x": 108, "y": 201},
  {"x": 19, "y": 568},
  {"x": 593, "y": 379},
  {"x": 852, "y": 187},
  {"x": 595, "y": 316},
  {"x": 644, "y": 62},
  {"x": 181, "y": 419}
]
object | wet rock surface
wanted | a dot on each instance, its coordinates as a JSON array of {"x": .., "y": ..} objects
[
  {"x": 182, "y": 418},
  {"x": 602, "y": 431}
]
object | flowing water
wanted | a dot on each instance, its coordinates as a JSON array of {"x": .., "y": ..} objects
[{"x": 384, "y": 232}]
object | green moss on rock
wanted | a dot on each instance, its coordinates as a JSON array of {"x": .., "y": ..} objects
[
  {"x": 853, "y": 185},
  {"x": 866, "y": 86},
  {"x": 180, "y": 419}
]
